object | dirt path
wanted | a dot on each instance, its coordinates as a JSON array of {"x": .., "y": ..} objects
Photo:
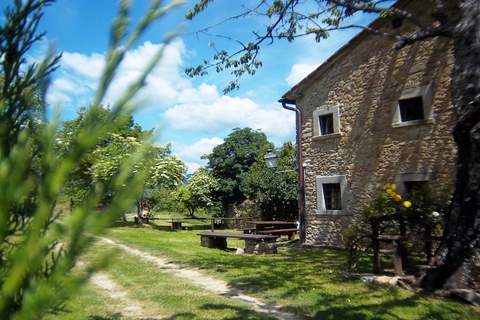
[
  {"x": 209, "y": 283},
  {"x": 127, "y": 306}
]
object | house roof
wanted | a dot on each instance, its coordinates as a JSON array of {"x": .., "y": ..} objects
[{"x": 296, "y": 91}]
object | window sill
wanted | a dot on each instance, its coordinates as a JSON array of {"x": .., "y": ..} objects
[
  {"x": 333, "y": 213},
  {"x": 412, "y": 123},
  {"x": 327, "y": 136}
]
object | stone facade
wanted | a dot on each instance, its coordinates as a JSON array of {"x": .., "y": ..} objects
[{"x": 364, "y": 80}]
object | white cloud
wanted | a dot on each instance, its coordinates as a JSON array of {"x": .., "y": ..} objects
[
  {"x": 198, "y": 109},
  {"x": 80, "y": 73},
  {"x": 300, "y": 71},
  {"x": 207, "y": 111},
  {"x": 89, "y": 66},
  {"x": 193, "y": 151},
  {"x": 193, "y": 166}
]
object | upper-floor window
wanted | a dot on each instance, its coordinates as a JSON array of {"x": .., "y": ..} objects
[
  {"x": 411, "y": 109},
  {"x": 326, "y": 122},
  {"x": 414, "y": 107}
]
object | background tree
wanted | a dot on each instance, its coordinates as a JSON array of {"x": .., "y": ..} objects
[
  {"x": 457, "y": 20},
  {"x": 37, "y": 252},
  {"x": 198, "y": 192},
  {"x": 81, "y": 180},
  {"x": 231, "y": 160},
  {"x": 162, "y": 169},
  {"x": 274, "y": 190}
]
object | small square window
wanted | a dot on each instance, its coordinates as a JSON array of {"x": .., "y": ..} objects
[
  {"x": 332, "y": 196},
  {"x": 412, "y": 187},
  {"x": 411, "y": 109},
  {"x": 326, "y": 124}
]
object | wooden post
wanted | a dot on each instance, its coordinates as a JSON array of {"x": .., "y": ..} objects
[
  {"x": 377, "y": 266},
  {"x": 428, "y": 243},
  {"x": 397, "y": 260}
]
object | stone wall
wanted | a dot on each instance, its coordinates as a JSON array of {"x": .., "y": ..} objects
[{"x": 365, "y": 82}]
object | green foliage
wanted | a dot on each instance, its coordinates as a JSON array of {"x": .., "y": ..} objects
[
  {"x": 422, "y": 215},
  {"x": 105, "y": 161},
  {"x": 198, "y": 192},
  {"x": 162, "y": 169},
  {"x": 429, "y": 208},
  {"x": 230, "y": 161},
  {"x": 163, "y": 200},
  {"x": 81, "y": 179},
  {"x": 38, "y": 245},
  {"x": 198, "y": 7},
  {"x": 274, "y": 190}
]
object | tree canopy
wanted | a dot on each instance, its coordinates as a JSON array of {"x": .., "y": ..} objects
[
  {"x": 198, "y": 192},
  {"x": 230, "y": 161},
  {"x": 274, "y": 190}
]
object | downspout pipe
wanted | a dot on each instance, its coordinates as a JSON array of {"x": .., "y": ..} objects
[{"x": 292, "y": 106}]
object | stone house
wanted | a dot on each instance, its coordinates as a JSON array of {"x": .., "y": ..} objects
[{"x": 373, "y": 115}]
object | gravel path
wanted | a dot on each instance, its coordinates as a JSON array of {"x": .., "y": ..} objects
[
  {"x": 124, "y": 304},
  {"x": 209, "y": 283}
]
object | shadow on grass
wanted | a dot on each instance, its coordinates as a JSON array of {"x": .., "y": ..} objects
[
  {"x": 181, "y": 315},
  {"x": 119, "y": 224},
  {"x": 238, "y": 312},
  {"x": 115, "y": 316},
  {"x": 338, "y": 307},
  {"x": 316, "y": 273},
  {"x": 234, "y": 311}
]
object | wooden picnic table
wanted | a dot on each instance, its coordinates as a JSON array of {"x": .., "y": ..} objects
[
  {"x": 275, "y": 228},
  {"x": 254, "y": 243}
]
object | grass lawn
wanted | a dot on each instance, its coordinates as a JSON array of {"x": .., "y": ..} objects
[
  {"x": 306, "y": 281},
  {"x": 159, "y": 293},
  {"x": 87, "y": 304}
]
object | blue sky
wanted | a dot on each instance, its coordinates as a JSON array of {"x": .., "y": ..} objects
[{"x": 191, "y": 114}]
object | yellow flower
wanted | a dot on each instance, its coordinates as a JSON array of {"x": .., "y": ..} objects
[
  {"x": 397, "y": 197},
  {"x": 407, "y": 204},
  {"x": 393, "y": 186}
]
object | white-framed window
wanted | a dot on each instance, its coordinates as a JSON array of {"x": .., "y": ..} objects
[
  {"x": 414, "y": 106},
  {"x": 410, "y": 182},
  {"x": 326, "y": 121},
  {"x": 331, "y": 194}
]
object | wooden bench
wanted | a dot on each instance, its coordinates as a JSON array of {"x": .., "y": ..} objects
[
  {"x": 288, "y": 232},
  {"x": 248, "y": 230},
  {"x": 254, "y": 243}
]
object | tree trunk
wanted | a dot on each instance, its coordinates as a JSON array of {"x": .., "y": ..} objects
[{"x": 461, "y": 237}]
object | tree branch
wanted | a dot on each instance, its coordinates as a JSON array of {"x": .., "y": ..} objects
[{"x": 422, "y": 35}]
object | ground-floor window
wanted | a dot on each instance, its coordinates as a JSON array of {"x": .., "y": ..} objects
[
  {"x": 331, "y": 194},
  {"x": 409, "y": 183}
]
